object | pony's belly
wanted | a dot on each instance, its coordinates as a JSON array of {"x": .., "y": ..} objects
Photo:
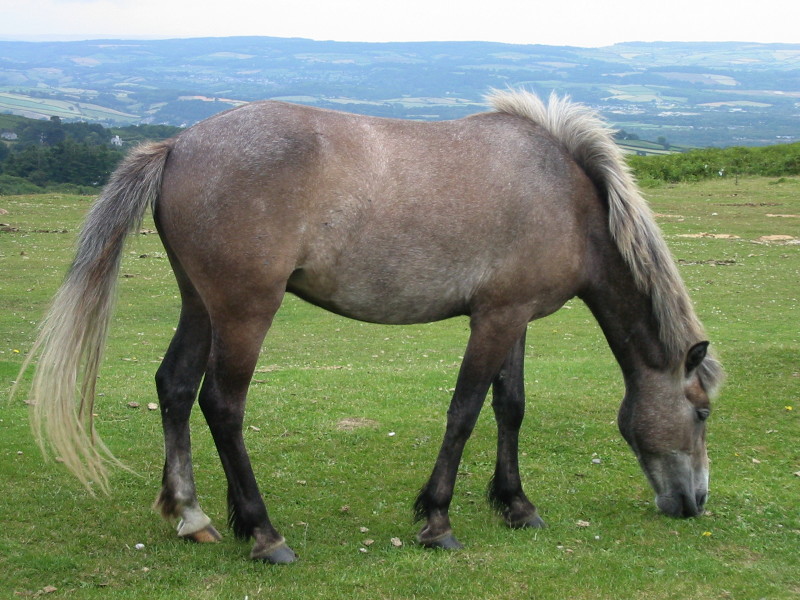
[{"x": 378, "y": 301}]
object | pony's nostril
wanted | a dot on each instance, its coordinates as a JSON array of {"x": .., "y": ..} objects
[
  {"x": 701, "y": 498},
  {"x": 681, "y": 506},
  {"x": 692, "y": 505}
]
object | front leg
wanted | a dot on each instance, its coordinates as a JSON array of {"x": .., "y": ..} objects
[
  {"x": 508, "y": 401},
  {"x": 491, "y": 340}
]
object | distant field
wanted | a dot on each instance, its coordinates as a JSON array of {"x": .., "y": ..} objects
[
  {"x": 345, "y": 418},
  {"x": 47, "y": 107},
  {"x": 645, "y": 148}
]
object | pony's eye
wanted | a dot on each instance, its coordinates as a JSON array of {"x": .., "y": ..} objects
[{"x": 703, "y": 413}]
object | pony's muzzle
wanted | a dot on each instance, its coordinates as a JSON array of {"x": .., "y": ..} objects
[{"x": 682, "y": 505}]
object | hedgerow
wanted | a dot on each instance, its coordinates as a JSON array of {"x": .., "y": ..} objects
[{"x": 708, "y": 163}]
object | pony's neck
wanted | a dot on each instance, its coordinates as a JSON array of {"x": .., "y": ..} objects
[{"x": 627, "y": 319}]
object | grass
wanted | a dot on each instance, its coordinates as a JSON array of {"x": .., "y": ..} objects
[{"x": 324, "y": 481}]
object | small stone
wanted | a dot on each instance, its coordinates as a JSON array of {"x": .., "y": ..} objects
[
  {"x": 596, "y": 461},
  {"x": 392, "y": 434},
  {"x": 396, "y": 542},
  {"x": 583, "y": 524},
  {"x": 133, "y": 405},
  {"x": 139, "y": 546},
  {"x": 363, "y": 529},
  {"x": 364, "y": 550},
  {"x": 368, "y": 542},
  {"x": 152, "y": 406},
  {"x": 49, "y": 589}
]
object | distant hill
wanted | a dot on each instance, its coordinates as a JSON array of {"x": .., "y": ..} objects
[{"x": 696, "y": 94}]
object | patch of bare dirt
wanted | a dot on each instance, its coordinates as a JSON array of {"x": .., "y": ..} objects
[
  {"x": 273, "y": 368},
  {"x": 727, "y": 262},
  {"x": 6, "y": 228},
  {"x": 353, "y": 423},
  {"x": 716, "y": 236},
  {"x": 785, "y": 239},
  {"x": 752, "y": 204}
]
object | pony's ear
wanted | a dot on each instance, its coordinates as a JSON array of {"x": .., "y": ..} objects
[{"x": 695, "y": 356}]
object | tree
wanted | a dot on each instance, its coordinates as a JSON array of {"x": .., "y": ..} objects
[{"x": 54, "y": 132}]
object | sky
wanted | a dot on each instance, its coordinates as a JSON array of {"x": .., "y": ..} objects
[{"x": 589, "y": 23}]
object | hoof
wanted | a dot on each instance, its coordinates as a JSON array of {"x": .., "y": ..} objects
[
  {"x": 445, "y": 541},
  {"x": 277, "y": 554},
  {"x": 532, "y": 522},
  {"x": 205, "y": 536}
]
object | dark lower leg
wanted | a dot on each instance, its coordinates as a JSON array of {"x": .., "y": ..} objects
[
  {"x": 508, "y": 401},
  {"x": 490, "y": 338},
  {"x": 222, "y": 399},
  {"x": 177, "y": 381},
  {"x": 433, "y": 501}
]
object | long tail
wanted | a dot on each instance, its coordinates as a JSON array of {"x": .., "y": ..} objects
[
  {"x": 631, "y": 223},
  {"x": 73, "y": 334}
]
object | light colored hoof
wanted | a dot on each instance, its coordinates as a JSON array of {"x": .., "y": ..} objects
[{"x": 204, "y": 536}]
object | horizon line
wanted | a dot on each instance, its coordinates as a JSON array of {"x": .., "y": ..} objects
[{"x": 43, "y": 38}]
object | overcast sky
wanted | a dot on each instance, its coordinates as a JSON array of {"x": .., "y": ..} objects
[{"x": 554, "y": 22}]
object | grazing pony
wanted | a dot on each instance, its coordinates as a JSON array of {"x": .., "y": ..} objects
[{"x": 502, "y": 216}]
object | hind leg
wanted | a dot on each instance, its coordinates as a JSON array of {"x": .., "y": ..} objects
[
  {"x": 508, "y": 401},
  {"x": 236, "y": 342},
  {"x": 177, "y": 381}
]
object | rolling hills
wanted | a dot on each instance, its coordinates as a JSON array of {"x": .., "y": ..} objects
[{"x": 697, "y": 94}]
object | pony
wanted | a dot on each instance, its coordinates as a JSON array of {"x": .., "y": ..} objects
[{"x": 501, "y": 216}]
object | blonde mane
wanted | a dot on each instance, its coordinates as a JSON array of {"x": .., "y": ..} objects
[{"x": 631, "y": 223}]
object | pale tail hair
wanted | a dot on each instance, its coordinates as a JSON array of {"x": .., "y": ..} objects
[
  {"x": 631, "y": 222},
  {"x": 73, "y": 334}
]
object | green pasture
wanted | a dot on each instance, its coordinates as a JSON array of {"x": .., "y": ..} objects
[
  {"x": 345, "y": 419},
  {"x": 47, "y": 107}
]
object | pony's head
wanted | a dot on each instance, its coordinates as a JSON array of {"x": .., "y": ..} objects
[{"x": 663, "y": 419}]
